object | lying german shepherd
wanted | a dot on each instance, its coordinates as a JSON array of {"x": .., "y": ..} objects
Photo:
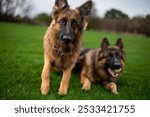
[
  {"x": 63, "y": 42},
  {"x": 104, "y": 65}
]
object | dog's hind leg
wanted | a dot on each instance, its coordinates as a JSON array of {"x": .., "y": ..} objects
[{"x": 45, "y": 85}]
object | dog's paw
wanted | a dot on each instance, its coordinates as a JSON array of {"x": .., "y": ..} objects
[
  {"x": 86, "y": 87},
  {"x": 116, "y": 92},
  {"x": 44, "y": 89},
  {"x": 62, "y": 91}
]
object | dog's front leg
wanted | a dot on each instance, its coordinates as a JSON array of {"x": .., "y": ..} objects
[
  {"x": 65, "y": 81},
  {"x": 84, "y": 79},
  {"x": 45, "y": 85},
  {"x": 112, "y": 87}
]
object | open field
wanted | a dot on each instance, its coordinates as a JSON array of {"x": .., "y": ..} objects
[{"x": 21, "y": 62}]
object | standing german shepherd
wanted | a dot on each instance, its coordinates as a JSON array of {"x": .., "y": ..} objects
[
  {"x": 63, "y": 42},
  {"x": 104, "y": 65}
]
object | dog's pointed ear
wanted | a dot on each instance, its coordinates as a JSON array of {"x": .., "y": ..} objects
[
  {"x": 119, "y": 43},
  {"x": 85, "y": 9},
  {"x": 59, "y": 6},
  {"x": 105, "y": 43}
]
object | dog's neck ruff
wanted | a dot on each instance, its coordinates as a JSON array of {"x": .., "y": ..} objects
[{"x": 59, "y": 52}]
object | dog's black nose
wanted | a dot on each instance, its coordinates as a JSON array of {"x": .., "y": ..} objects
[
  {"x": 67, "y": 38},
  {"x": 117, "y": 65}
]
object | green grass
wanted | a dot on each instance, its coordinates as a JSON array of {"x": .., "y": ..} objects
[{"x": 21, "y": 62}]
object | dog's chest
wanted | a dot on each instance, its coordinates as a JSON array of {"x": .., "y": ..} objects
[{"x": 62, "y": 60}]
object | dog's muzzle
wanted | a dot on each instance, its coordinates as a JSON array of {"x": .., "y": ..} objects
[
  {"x": 67, "y": 38},
  {"x": 117, "y": 65},
  {"x": 115, "y": 69}
]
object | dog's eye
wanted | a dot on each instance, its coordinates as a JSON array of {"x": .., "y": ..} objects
[
  {"x": 118, "y": 54},
  {"x": 74, "y": 24},
  {"x": 111, "y": 55},
  {"x": 62, "y": 22}
]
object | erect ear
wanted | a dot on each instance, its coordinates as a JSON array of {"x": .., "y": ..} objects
[
  {"x": 59, "y": 6},
  {"x": 119, "y": 43},
  {"x": 85, "y": 9},
  {"x": 105, "y": 43}
]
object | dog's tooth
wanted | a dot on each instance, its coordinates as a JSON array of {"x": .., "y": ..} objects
[{"x": 117, "y": 70}]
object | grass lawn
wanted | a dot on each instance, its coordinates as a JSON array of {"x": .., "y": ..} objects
[{"x": 21, "y": 62}]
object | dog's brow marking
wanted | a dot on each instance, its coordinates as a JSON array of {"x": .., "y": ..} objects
[{"x": 76, "y": 10}]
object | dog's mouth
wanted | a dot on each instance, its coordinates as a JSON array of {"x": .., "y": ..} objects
[{"x": 115, "y": 72}]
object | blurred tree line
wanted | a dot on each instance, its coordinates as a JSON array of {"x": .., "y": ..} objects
[
  {"x": 117, "y": 21},
  {"x": 114, "y": 20},
  {"x": 15, "y": 10}
]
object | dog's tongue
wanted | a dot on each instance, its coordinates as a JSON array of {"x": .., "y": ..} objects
[{"x": 115, "y": 75}]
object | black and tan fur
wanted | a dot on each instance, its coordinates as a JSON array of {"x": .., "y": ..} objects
[
  {"x": 63, "y": 42},
  {"x": 104, "y": 65}
]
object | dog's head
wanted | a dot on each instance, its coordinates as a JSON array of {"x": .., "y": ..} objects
[
  {"x": 70, "y": 21},
  {"x": 114, "y": 57}
]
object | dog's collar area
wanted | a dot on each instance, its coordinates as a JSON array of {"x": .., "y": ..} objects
[{"x": 59, "y": 52}]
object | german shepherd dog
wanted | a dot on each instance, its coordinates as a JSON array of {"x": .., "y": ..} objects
[
  {"x": 63, "y": 42},
  {"x": 104, "y": 65}
]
